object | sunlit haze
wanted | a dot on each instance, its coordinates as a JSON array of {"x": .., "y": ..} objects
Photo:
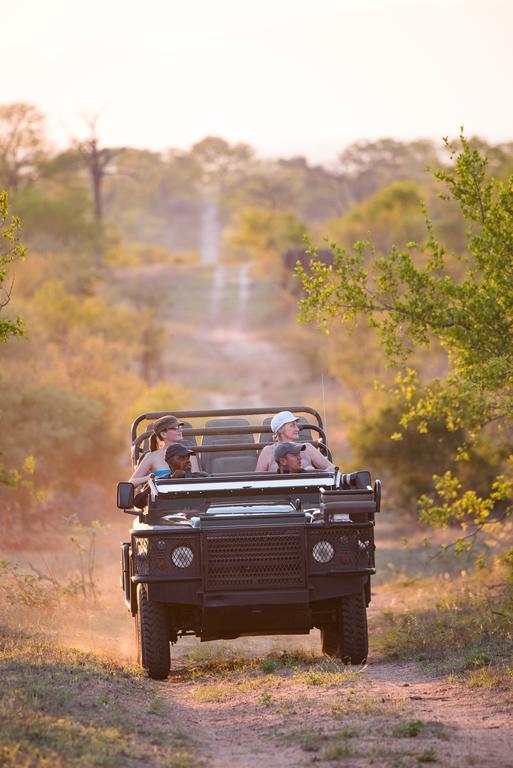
[{"x": 287, "y": 77}]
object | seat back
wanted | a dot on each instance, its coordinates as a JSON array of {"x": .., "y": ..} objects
[
  {"x": 228, "y": 461},
  {"x": 190, "y": 440}
]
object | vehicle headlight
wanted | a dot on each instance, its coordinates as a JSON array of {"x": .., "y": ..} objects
[
  {"x": 182, "y": 557},
  {"x": 142, "y": 548},
  {"x": 323, "y": 552}
]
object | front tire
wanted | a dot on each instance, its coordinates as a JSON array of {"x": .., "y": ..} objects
[
  {"x": 152, "y": 635},
  {"x": 354, "y": 639}
]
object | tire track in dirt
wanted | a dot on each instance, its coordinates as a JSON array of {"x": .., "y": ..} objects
[{"x": 283, "y": 720}]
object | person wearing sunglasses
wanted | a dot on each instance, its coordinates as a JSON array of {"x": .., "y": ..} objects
[{"x": 166, "y": 431}]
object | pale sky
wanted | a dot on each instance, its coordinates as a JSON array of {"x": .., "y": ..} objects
[{"x": 287, "y": 76}]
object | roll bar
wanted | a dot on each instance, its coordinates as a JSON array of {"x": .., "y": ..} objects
[
  {"x": 230, "y": 430},
  {"x": 151, "y": 416}
]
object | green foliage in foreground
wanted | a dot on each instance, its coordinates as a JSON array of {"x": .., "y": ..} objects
[
  {"x": 420, "y": 295},
  {"x": 10, "y": 251},
  {"x": 62, "y": 707}
]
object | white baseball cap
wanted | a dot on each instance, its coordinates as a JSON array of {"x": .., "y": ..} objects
[{"x": 282, "y": 418}]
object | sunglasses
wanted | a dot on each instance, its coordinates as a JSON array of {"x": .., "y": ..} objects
[{"x": 179, "y": 426}]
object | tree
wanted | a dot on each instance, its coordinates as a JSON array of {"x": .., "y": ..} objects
[
  {"x": 369, "y": 165},
  {"x": 98, "y": 162},
  {"x": 265, "y": 235},
  {"x": 22, "y": 144},
  {"x": 10, "y": 251},
  {"x": 415, "y": 297},
  {"x": 220, "y": 164}
]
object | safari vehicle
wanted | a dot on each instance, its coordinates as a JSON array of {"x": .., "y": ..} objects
[{"x": 244, "y": 553}]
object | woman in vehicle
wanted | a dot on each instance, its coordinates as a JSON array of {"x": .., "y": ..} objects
[
  {"x": 285, "y": 427},
  {"x": 166, "y": 431}
]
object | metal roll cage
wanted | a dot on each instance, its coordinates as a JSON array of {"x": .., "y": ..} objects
[{"x": 320, "y": 443}]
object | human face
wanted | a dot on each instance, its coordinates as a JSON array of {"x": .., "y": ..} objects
[
  {"x": 172, "y": 435},
  {"x": 180, "y": 462},
  {"x": 293, "y": 461},
  {"x": 289, "y": 431}
]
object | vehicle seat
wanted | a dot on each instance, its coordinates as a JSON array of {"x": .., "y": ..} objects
[
  {"x": 228, "y": 461},
  {"x": 189, "y": 441}
]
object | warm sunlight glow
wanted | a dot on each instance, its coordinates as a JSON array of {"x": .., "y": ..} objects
[{"x": 287, "y": 77}]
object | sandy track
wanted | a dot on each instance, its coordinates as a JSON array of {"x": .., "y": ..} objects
[{"x": 284, "y": 720}]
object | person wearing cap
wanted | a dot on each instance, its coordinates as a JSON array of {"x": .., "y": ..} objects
[
  {"x": 288, "y": 457},
  {"x": 166, "y": 431},
  {"x": 285, "y": 427},
  {"x": 179, "y": 460}
]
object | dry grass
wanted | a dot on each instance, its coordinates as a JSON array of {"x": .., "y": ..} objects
[
  {"x": 462, "y": 625},
  {"x": 62, "y": 707}
]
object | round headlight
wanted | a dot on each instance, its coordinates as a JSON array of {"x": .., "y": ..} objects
[
  {"x": 182, "y": 557},
  {"x": 323, "y": 552}
]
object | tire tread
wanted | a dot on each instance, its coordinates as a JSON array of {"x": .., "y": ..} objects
[{"x": 153, "y": 636}]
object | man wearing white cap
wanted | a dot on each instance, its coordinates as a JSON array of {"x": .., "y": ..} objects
[{"x": 285, "y": 427}]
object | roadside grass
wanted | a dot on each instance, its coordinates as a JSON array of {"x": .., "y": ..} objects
[
  {"x": 330, "y": 746},
  {"x": 223, "y": 673},
  {"x": 463, "y": 626},
  {"x": 63, "y": 707},
  {"x": 351, "y": 742},
  {"x": 356, "y": 702},
  {"x": 412, "y": 729}
]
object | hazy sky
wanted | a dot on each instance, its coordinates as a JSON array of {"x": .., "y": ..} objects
[{"x": 287, "y": 76}]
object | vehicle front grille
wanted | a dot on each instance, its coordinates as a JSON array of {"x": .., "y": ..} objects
[{"x": 272, "y": 559}]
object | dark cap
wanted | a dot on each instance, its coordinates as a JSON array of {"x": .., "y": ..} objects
[
  {"x": 177, "y": 449},
  {"x": 282, "y": 449},
  {"x": 165, "y": 422}
]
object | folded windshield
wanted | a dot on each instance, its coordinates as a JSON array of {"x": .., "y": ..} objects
[{"x": 250, "y": 509}]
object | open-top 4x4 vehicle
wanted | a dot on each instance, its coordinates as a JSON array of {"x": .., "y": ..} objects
[{"x": 247, "y": 553}]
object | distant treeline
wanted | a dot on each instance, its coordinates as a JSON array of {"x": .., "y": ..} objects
[
  {"x": 147, "y": 199},
  {"x": 85, "y": 367}
]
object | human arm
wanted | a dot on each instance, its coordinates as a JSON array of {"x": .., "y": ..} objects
[
  {"x": 264, "y": 460},
  {"x": 317, "y": 459},
  {"x": 142, "y": 471}
]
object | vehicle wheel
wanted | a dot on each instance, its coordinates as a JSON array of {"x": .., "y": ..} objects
[
  {"x": 330, "y": 639},
  {"x": 354, "y": 641},
  {"x": 152, "y": 635}
]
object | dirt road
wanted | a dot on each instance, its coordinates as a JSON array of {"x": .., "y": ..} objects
[
  {"x": 277, "y": 702},
  {"x": 387, "y": 714}
]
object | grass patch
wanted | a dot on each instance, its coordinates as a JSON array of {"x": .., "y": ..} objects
[
  {"x": 212, "y": 693},
  {"x": 61, "y": 707},
  {"x": 487, "y": 679},
  {"x": 157, "y": 707},
  {"x": 459, "y": 625},
  {"x": 428, "y": 756},
  {"x": 409, "y": 729},
  {"x": 359, "y": 704},
  {"x": 308, "y": 739},
  {"x": 334, "y": 745},
  {"x": 327, "y": 678},
  {"x": 337, "y": 751}
]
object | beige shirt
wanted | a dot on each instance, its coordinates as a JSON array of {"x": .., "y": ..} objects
[{"x": 311, "y": 458}]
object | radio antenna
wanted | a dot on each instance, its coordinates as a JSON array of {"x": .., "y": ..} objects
[{"x": 323, "y": 402}]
